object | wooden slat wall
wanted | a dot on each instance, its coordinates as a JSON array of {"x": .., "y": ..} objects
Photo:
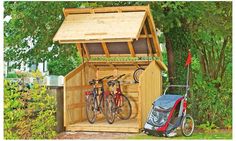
[
  {"x": 150, "y": 88},
  {"x": 76, "y": 83}
]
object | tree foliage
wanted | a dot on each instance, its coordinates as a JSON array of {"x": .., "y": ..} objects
[
  {"x": 28, "y": 35},
  {"x": 206, "y": 29}
]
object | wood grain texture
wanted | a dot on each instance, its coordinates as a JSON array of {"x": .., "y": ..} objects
[
  {"x": 128, "y": 126},
  {"x": 150, "y": 89},
  {"x": 68, "y": 11},
  {"x": 101, "y": 26},
  {"x": 108, "y": 24}
]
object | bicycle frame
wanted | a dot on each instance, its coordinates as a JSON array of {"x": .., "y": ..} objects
[
  {"x": 118, "y": 99},
  {"x": 117, "y": 94},
  {"x": 102, "y": 94},
  {"x": 97, "y": 101}
]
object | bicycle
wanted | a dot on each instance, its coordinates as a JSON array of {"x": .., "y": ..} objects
[
  {"x": 117, "y": 103},
  {"x": 93, "y": 106}
]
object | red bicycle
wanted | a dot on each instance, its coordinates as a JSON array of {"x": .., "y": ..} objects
[{"x": 116, "y": 103}]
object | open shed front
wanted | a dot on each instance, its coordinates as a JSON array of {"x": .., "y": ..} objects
[
  {"x": 123, "y": 33},
  {"x": 141, "y": 96}
]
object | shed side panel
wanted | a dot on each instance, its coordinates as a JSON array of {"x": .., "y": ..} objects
[
  {"x": 150, "y": 89},
  {"x": 76, "y": 82}
]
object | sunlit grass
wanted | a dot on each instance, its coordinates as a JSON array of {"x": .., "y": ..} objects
[{"x": 214, "y": 134}]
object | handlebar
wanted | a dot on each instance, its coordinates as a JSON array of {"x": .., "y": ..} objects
[
  {"x": 93, "y": 81},
  {"x": 106, "y": 77},
  {"x": 119, "y": 77},
  {"x": 113, "y": 82}
]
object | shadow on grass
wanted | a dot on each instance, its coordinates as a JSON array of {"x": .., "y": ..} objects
[{"x": 214, "y": 134}]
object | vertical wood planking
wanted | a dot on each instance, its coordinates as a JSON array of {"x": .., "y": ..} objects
[{"x": 150, "y": 89}]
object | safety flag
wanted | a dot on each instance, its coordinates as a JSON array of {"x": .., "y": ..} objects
[{"x": 188, "y": 61}]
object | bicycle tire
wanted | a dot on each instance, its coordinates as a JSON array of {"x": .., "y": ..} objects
[
  {"x": 90, "y": 109},
  {"x": 137, "y": 74},
  {"x": 110, "y": 109},
  {"x": 128, "y": 111},
  {"x": 102, "y": 105},
  {"x": 183, "y": 126}
]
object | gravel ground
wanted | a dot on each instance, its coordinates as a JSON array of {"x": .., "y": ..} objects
[{"x": 93, "y": 135}]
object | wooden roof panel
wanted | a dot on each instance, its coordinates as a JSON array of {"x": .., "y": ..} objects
[{"x": 101, "y": 26}]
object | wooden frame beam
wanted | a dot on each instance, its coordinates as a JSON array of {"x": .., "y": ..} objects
[
  {"x": 145, "y": 36},
  {"x": 131, "y": 49},
  {"x": 68, "y": 11},
  {"x": 79, "y": 49},
  {"x": 152, "y": 28},
  {"x": 105, "y": 49},
  {"x": 142, "y": 23},
  {"x": 117, "y": 55},
  {"x": 93, "y": 41},
  {"x": 86, "y": 51},
  {"x": 148, "y": 40}
]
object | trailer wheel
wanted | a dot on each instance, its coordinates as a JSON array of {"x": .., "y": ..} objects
[{"x": 187, "y": 126}]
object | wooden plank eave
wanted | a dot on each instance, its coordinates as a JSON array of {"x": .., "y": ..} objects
[{"x": 68, "y": 11}]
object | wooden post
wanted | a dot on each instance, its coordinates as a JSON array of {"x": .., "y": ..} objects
[
  {"x": 148, "y": 40},
  {"x": 79, "y": 48},
  {"x": 131, "y": 49},
  {"x": 86, "y": 50},
  {"x": 105, "y": 49}
]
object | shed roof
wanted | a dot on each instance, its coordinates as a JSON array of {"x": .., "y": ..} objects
[
  {"x": 101, "y": 26},
  {"x": 110, "y": 31}
]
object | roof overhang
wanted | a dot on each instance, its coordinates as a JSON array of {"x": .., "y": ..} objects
[
  {"x": 102, "y": 26},
  {"x": 110, "y": 31}
]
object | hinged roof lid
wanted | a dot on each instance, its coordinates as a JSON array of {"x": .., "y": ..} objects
[
  {"x": 110, "y": 31},
  {"x": 101, "y": 26}
]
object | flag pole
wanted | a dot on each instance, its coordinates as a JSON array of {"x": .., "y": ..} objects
[{"x": 187, "y": 83}]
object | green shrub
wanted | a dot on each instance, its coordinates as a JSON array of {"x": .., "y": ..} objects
[
  {"x": 28, "y": 114},
  {"x": 211, "y": 100},
  {"x": 12, "y": 75}
]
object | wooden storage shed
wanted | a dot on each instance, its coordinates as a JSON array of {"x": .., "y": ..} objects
[{"x": 113, "y": 34}]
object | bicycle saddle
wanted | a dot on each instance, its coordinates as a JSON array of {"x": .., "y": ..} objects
[{"x": 92, "y": 82}]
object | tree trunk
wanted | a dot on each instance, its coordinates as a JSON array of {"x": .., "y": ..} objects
[{"x": 170, "y": 59}]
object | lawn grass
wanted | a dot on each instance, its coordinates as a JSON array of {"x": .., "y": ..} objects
[{"x": 215, "y": 134}]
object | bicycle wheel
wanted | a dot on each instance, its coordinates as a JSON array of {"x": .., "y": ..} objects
[
  {"x": 187, "y": 126},
  {"x": 124, "y": 109},
  {"x": 137, "y": 74},
  {"x": 102, "y": 105},
  {"x": 110, "y": 109},
  {"x": 90, "y": 109}
]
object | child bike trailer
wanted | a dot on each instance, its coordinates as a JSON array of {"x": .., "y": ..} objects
[{"x": 169, "y": 112}]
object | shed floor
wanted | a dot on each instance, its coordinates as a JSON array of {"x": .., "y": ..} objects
[{"x": 130, "y": 125}]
